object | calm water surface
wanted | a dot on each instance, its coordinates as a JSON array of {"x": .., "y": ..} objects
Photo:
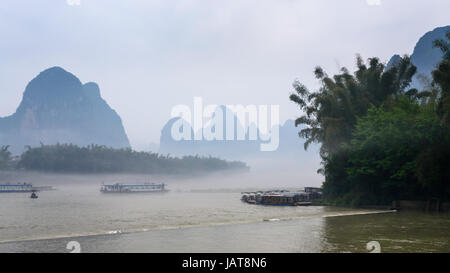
[{"x": 189, "y": 220}]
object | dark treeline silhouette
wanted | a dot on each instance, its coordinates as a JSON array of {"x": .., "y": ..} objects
[
  {"x": 380, "y": 141},
  {"x": 101, "y": 159}
]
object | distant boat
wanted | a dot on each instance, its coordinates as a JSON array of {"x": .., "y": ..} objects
[
  {"x": 33, "y": 195},
  {"x": 23, "y": 187},
  {"x": 280, "y": 198},
  {"x": 133, "y": 188},
  {"x": 16, "y": 187}
]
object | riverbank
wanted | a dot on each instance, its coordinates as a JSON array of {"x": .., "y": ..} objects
[{"x": 432, "y": 205}]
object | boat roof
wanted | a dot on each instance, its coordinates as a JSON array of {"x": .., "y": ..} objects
[
  {"x": 275, "y": 192},
  {"x": 28, "y": 185},
  {"x": 145, "y": 184}
]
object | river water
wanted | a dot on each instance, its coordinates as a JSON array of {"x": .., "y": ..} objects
[{"x": 194, "y": 217}]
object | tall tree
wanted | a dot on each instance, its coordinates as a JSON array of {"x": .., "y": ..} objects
[
  {"x": 441, "y": 78},
  {"x": 331, "y": 113}
]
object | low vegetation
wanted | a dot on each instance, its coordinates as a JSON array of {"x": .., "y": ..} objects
[{"x": 100, "y": 159}]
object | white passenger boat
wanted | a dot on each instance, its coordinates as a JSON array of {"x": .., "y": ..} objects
[
  {"x": 23, "y": 187},
  {"x": 16, "y": 187}
]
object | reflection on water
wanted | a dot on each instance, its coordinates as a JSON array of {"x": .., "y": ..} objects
[{"x": 397, "y": 232}]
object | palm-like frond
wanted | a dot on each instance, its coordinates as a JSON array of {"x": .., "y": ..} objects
[{"x": 332, "y": 112}]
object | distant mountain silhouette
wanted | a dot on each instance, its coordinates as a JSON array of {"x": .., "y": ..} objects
[
  {"x": 57, "y": 108},
  {"x": 167, "y": 145},
  {"x": 290, "y": 144},
  {"x": 394, "y": 61},
  {"x": 220, "y": 148},
  {"x": 425, "y": 57}
]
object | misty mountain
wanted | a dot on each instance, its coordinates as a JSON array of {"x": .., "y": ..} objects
[
  {"x": 229, "y": 149},
  {"x": 425, "y": 57},
  {"x": 394, "y": 61},
  {"x": 290, "y": 144},
  {"x": 57, "y": 108}
]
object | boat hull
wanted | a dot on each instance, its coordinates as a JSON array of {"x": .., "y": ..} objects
[
  {"x": 133, "y": 188},
  {"x": 160, "y": 191},
  {"x": 11, "y": 191}
]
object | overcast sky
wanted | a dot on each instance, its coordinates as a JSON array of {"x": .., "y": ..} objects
[{"x": 150, "y": 55}]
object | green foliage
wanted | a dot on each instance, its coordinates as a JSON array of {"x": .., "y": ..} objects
[
  {"x": 331, "y": 112},
  {"x": 444, "y": 46},
  {"x": 441, "y": 78},
  {"x": 380, "y": 141},
  {"x": 5, "y": 157},
  {"x": 100, "y": 159},
  {"x": 387, "y": 149}
]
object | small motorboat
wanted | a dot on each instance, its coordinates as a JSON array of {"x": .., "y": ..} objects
[{"x": 33, "y": 195}]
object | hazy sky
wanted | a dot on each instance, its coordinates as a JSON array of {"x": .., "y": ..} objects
[{"x": 150, "y": 55}]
